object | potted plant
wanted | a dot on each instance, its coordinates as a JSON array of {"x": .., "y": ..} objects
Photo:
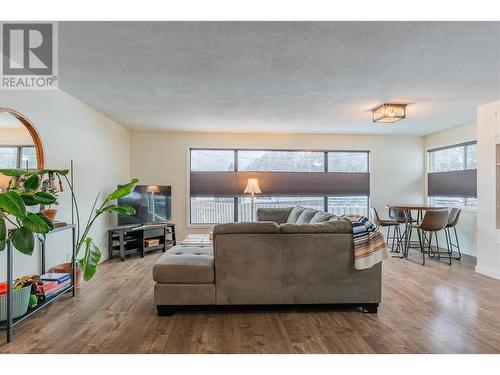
[
  {"x": 87, "y": 265},
  {"x": 24, "y": 190},
  {"x": 48, "y": 185}
]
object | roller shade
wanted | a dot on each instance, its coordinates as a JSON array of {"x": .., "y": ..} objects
[
  {"x": 280, "y": 183},
  {"x": 462, "y": 184}
]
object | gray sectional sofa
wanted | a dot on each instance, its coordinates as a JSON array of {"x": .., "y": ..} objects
[{"x": 291, "y": 256}]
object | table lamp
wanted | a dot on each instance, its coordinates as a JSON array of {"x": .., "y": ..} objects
[{"x": 252, "y": 188}]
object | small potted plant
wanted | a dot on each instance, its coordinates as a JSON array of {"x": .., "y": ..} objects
[{"x": 49, "y": 185}]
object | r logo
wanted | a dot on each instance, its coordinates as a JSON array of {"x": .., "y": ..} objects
[{"x": 27, "y": 49}]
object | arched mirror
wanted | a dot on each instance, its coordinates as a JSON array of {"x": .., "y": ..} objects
[{"x": 20, "y": 144}]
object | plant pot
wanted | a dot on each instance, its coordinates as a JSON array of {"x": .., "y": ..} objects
[
  {"x": 50, "y": 213},
  {"x": 20, "y": 303},
  {"x": 67, "y": 268}
]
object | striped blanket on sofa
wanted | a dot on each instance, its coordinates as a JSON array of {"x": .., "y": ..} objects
[{"x": 369, "y": 243}]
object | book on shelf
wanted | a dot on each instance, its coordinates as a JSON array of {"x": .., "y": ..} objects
[
  {"x": 59, "y": 224},
  {"x": 52, "y": 287},
  {"x": 57, "y": 277}
]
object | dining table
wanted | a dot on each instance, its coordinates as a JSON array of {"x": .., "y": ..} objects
[{"x": 408, "y": 209}]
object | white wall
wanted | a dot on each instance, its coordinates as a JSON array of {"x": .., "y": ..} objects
[
  {"x": 468, "y": 219},
  {"x": 70, "y": 130},
  {"x": 488, "y": 134},
  {"x": 396, "y": 163}
]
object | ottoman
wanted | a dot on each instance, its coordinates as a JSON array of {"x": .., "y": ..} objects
[{"x": 184, "y": 276}]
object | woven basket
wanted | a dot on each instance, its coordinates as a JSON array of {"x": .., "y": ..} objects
[{"x": 20, "y": 303}]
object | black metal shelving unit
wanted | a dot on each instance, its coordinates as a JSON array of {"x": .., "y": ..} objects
[{"x": 9, "y": 324}]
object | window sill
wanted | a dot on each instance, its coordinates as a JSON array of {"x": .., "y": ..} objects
[{"x": 201, "y": 226}]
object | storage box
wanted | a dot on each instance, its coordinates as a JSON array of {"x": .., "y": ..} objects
[{"x": 152, "y": 242}]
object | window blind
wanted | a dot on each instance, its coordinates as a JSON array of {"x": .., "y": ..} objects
[
  {"x": 462, "y": 184},
  {"x": 280, "y": 183},
  {"x": 453, "y": 171}
]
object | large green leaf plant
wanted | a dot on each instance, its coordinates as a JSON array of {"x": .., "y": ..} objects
[{"x": 26, "y": 189}]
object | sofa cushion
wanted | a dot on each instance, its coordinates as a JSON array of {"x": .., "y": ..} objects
[
  {"x": 294, "y": 215},
  {"x": 331, "y": 226},
  {"x": 321, "y": 217},
  {"x": 278, "y": 215},
  {"x": 306, "y": 216},
  {"x": 185, "y": 265},
  {"x": 247, "y": 228}
]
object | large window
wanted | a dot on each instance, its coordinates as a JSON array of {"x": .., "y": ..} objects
[
  {"x": 212, "y": 160},
  {"x": 18, "y": 157},
  {"x": 452, "y": 175},
  {"x": 214, "y": 210},
  {"x": 245, "y": 204},
  {"x": 347, "y": 162},
  {"x": 315, "y": 179},
  {"x": 281, "y": 161},
  {"x": 454, "y": 158},
  {"x": 348, "y": 205}
]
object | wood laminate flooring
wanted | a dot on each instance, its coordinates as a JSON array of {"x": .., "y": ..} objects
[{"x": 425, "y": 309}]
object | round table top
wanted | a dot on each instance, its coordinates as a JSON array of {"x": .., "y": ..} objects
[{"x": 416, "y": 207}]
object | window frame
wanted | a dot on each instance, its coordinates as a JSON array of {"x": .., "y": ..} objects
[
  {"x": 430, "y": 169},
  {"x": 430, "y": 154},
  {"x": 19, "y": 153},
  {"x": 325, "y": 152}
]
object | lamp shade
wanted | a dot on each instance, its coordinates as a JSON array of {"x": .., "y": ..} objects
[
  {"x": 153, "y": 189},
  {"x": 253, "y": 186}
]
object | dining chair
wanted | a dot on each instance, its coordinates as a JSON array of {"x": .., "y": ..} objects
[
  {"x": 388, "y": 223},
  {"x": 403, "y": 217},
  {"x": 398, "y": 215},
  {"x": 453, "y": 218},
  {"x": 432, "y": 223}
]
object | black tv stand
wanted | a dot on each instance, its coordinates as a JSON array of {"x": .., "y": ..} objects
[{"x": 131, "y": 239}]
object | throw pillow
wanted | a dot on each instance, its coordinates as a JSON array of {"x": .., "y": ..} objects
[
  {"x": 294, "y": 215},
  {"x": 321, "y": 217},
  {"x": 306, "y": 216}
]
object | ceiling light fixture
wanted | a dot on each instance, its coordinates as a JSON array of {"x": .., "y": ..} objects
[{"x": 389, "y": 112}]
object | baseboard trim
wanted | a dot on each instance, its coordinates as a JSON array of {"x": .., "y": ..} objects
[
  {"x": 467, "y": 252},
  {"x": 488, "y": 272}
]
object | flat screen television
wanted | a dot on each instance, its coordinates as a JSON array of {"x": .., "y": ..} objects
[{"x": 152, "y": 203}]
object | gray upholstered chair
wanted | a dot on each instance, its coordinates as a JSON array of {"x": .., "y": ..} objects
[
  {"x": 453, "y": 218},
  {"x": 432, "y": 223},
  {"x": 388, "y": 223}
]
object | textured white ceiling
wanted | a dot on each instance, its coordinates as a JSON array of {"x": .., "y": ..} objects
[{"x": 306, "y": 77}]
